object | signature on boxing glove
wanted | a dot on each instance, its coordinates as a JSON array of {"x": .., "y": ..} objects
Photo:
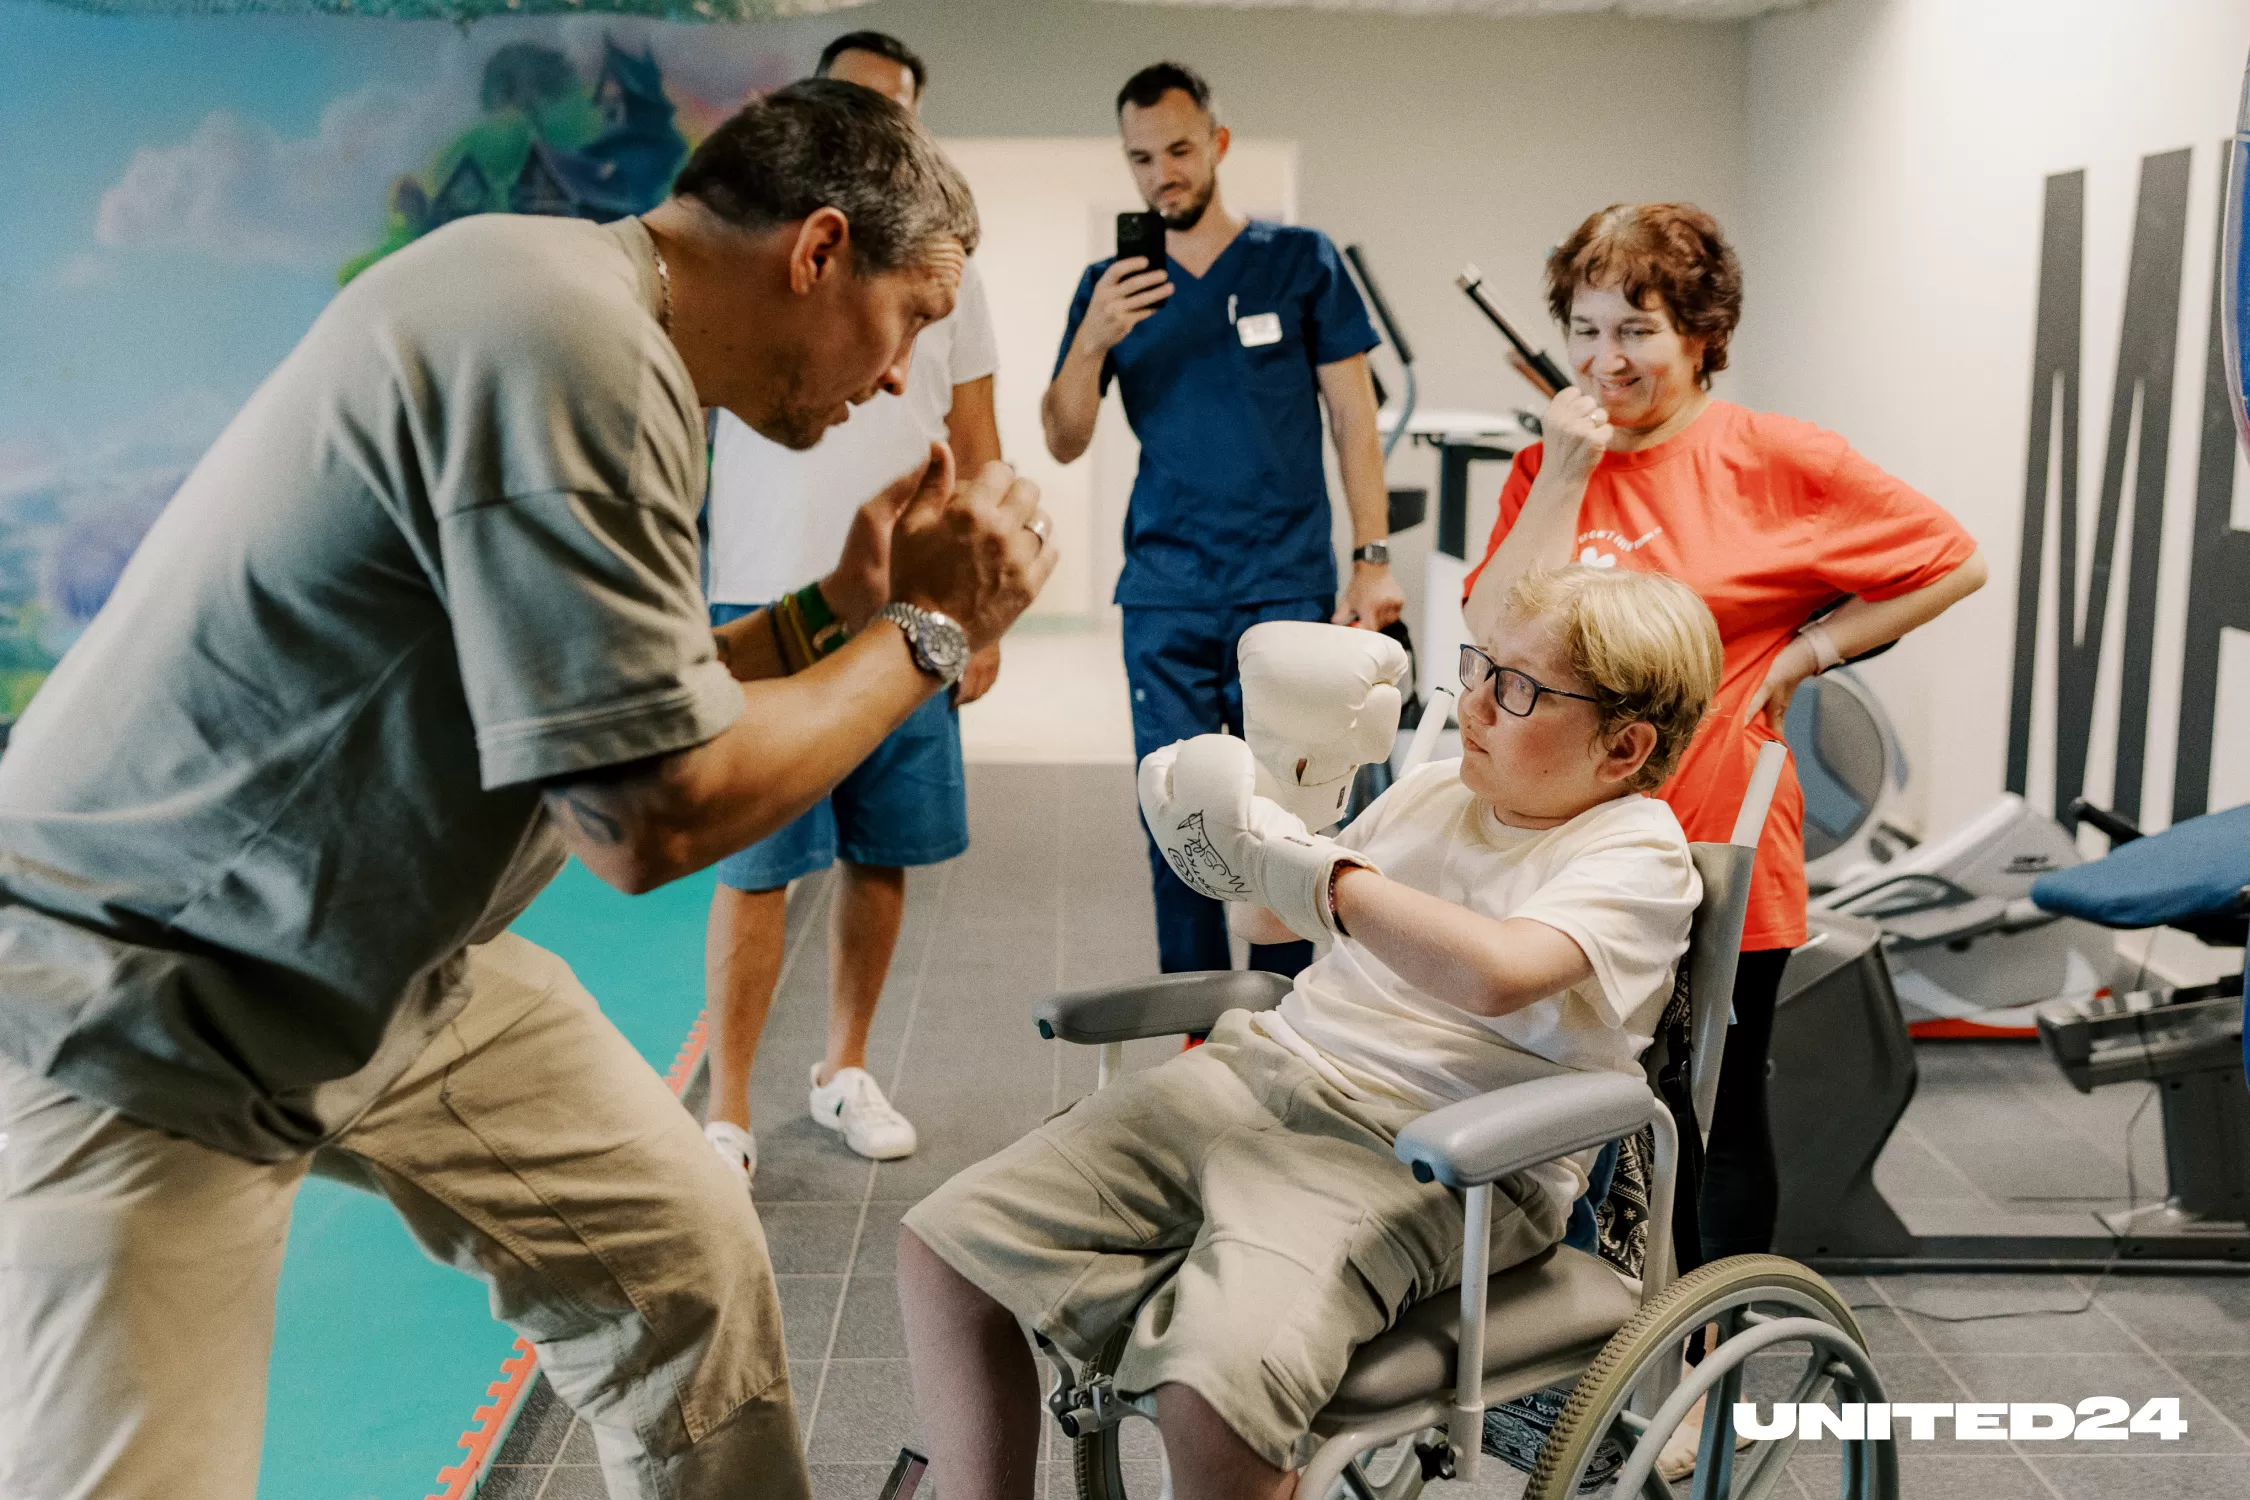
[{"x": 1198, "y": 862}]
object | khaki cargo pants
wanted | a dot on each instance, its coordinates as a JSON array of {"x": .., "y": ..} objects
[{"x": 529, "y": 1146}]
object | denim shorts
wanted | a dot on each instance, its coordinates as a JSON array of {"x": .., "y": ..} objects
[{"x": 906, "y": 804}]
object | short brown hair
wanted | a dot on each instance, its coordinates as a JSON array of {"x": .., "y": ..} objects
[
  {"x": 1672, "y": 251},
  {"x": 823, "y": 143},
  {"x": 1153, "y": 82},
  {"x": 1644, "y": 644},
  {"x": 880, "y": 44}
]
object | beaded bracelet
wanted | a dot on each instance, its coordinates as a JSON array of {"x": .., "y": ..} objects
[
  {"x": 805, "y": 629},
  {"x": 1335, "y": 872},
  {"x": 780, "y": 641}
]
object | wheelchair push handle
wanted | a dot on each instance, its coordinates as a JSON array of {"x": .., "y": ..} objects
[
  {"x": 1424, "y": 744},
  {"x": 1750, "y": 822}
]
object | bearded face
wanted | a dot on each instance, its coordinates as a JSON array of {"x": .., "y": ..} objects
[
  {"x": 1173, "y": 149},
  {"x": 1185, "y": 211}
]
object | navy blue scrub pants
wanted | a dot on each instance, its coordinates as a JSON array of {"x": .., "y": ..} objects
[{"x": 1181, "y": 666}]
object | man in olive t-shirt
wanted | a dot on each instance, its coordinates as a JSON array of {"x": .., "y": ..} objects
[{"x": 425, "y": 619}]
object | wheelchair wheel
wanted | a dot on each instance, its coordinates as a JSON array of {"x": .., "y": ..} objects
[
  {"x": 1125, "y": 1462},
  {"x": 1807, "y": 1347}
]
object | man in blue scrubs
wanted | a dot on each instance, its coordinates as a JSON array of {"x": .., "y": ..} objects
[{"x": 1224, "y": 358}]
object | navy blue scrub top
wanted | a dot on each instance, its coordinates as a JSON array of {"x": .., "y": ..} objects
[{"x": 1231, "y": 506}]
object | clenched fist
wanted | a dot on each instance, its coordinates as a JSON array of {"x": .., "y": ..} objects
[
  {"x": 1576, "y": 433},
  {"x": 1226, "y": 842},
  {"x": 977, "y": 553}
]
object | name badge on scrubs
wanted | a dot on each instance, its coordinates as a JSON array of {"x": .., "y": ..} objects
[{"x": 1259, "y": 329}]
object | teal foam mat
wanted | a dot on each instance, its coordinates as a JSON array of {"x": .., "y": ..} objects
[{"x": 382, "y": 1358}]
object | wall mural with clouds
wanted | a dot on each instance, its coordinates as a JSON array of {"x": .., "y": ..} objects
[{"x": 186, "y": 193}]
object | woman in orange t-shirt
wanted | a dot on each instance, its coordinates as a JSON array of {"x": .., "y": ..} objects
[{"x": 1771, "y": 520}]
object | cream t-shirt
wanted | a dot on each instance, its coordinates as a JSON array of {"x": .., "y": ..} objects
[{"x": 1616, "y": 879}]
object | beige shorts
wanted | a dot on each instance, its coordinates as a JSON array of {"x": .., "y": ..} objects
[
  {"x": 1250, "y": 1215},
  {"x": 528, "y": 1145}
]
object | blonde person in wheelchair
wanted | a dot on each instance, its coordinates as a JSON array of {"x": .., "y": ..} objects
[{"x": 1508, "y": 916}]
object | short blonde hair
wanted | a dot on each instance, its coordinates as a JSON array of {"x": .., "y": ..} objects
[{"x": 1643, "y": 644}]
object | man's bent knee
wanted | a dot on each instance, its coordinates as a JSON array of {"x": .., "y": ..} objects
[{"x": 697, "y": 1332}]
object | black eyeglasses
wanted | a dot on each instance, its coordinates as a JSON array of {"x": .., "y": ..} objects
[{"x": 1516, "y": 692}]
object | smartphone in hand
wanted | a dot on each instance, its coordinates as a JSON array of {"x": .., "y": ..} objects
[{"x": 1142, "y": 235}]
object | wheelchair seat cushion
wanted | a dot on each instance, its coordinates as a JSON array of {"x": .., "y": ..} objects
[
  {"x": 1245, "y": 1219},
  {"x": 1558, "y": 1307},
  {"x": 2193, "y": 869}
]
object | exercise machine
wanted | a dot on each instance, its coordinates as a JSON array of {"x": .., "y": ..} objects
[
  {"x": 1843, "y": 1070},
  {"x": 1988, "y": 915},
  {"x": 1970, "y": 955}
]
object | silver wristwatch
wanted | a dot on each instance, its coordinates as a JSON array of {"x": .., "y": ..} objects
[
  {"x": 1378, "y": 553},
  {"x": 940, "y": 648}
]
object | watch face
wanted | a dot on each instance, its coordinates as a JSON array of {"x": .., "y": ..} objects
[
  {"x": 946, "y": 647},
  {"x": 939, "y": 644}
]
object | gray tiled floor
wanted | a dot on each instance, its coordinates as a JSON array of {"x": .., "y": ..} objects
[
  {"x": 1997, "y": 1142},
  {"x": 1053, "y": 894}
]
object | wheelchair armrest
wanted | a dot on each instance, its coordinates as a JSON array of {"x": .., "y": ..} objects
[
  {"x": 1163, "y": 1006},
  {"x": 1479, "y": 1140}
]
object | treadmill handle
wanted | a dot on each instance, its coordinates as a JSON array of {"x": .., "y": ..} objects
[
  {"x": 1397, "y": 337},
  {"x": 1391, "y": 330},
  {"x": 2082, "y": 811},
  {"x": 1471, "y": 282}
]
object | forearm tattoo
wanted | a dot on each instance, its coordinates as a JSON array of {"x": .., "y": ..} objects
[
  {"x": 599, "y": 804},
  {"x": 591, "y": 821}
]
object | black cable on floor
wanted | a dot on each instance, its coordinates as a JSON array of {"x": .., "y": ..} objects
[{"x": 2117, "y": 1248}]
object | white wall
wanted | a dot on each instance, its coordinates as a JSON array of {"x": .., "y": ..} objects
[
  {"x": 1429, "y": 140},
  {"x": 1897, "y": 151},
  {"x": 1048, "y": 206}
]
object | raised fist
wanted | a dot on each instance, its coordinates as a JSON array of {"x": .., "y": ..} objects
[
  {"x": 1318, "y": 702},
  {"x": 1575, "y": 432},
  {"x": 1230, "y": 844}
]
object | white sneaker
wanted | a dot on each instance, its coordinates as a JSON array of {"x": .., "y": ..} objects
[
  {"x": 737, "y": 1147},
  {"x": 1677, "y": 1460},
  {"x": 853, "y": 1103}
]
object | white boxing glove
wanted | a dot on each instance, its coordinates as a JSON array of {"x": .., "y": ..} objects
[
  {"x": 1230, "y": 844},
  {"x": 1318, "y": 702}
]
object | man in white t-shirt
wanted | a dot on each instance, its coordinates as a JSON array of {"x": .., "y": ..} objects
[
  {"x": 1512, "y": 915},
  {"x": 777, "y": 517}
]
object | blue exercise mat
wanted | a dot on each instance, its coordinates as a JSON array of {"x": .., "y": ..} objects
[{"x": 381, "y": 1357}]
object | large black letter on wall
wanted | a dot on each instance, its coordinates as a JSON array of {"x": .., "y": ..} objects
[
  {"x": 2054, "y": 399},
  {"x": 2218, "y": 566},
  {"x": 2147, "y": 344}
]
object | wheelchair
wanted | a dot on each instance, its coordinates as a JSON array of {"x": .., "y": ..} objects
[{"x": 1412, "y": 1405}]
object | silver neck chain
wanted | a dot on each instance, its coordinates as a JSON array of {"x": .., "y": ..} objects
[{"x": 664, "y": 278}]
